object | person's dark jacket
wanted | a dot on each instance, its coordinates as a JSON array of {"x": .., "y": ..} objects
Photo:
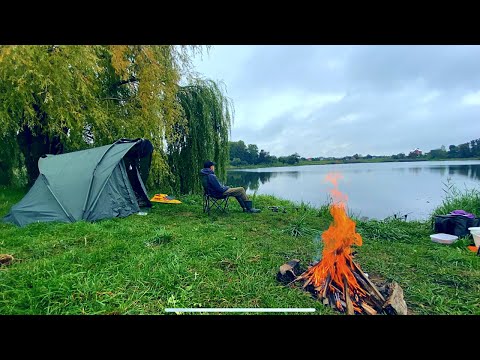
[{"x": 214, "y": 187}]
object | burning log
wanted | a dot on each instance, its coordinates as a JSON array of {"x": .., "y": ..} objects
[
  {"x": 348, "y": 302},
  {"x": 367, "y": 299},
  {"x": 288, "y": 272},
  {"x": 367, "y": 280},
  {"x": 326, "y": 286},
  {"x": 368, "y": 309}
]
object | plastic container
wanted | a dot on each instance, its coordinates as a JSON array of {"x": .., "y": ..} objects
[
  {"x": 475, "y": 231},
  {"x": 442, "y": 238},
  {"x": 476, "y": 239}
]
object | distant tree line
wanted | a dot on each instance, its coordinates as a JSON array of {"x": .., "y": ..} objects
[
  {"x": 466, "y": 150},
  {"x": 242, "y": 154}
]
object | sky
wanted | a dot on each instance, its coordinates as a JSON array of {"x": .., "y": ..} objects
[{"x": 338, "y": 100}]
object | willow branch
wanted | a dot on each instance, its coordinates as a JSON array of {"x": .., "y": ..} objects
[
  {"x": 114, "y": 98},
  {"x": 123, "y": 82}
]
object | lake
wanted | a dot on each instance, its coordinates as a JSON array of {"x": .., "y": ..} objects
[{"x": 374, "y": 190}]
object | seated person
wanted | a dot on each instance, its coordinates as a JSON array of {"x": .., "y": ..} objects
[{"x": 217, "y": 190}]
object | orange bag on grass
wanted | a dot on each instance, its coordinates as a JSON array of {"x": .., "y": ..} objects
[{"x": 164, "y": 198}]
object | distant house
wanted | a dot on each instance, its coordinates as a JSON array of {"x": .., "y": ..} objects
[
  {"x": 415, "y": 153},
  {"x": 309, "y": 159}
]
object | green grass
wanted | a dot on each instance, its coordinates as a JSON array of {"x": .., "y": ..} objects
[{"x": 177, "y": 256}]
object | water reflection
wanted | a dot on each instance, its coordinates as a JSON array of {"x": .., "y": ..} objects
[
  {"x": 249, "y": 180},
  {"x": 439, "y": 169},
  {"x": 475, "y": 172},
  {"x": 415, "y": 170},
  {"x": 469, "y": 171},
  {"x": 375, "y": 190},
  {"x": 457, "y": 169}
]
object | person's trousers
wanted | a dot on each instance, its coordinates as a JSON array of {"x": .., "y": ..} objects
[{"x": 238, "y": 192}]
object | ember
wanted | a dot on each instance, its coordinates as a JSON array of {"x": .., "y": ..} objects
[{"x": 337, "y": 280}]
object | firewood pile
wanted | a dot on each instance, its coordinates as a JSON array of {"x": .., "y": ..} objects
[{"x": 364, "y": 297}]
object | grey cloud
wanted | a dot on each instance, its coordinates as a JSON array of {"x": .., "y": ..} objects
[
  {"x": 387, "y": 67},
  {"x": 382, "y": 127},
  {"x": 294, "y": 66},
  {"x": 362, "y": 67},
  {"x": 268, "y": 133},
  {"x": 385, "y": 86}
]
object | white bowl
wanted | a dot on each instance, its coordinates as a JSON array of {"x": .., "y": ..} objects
[
  {"x": 475, "y": 228},
  {"x": 442, "y": 238}
]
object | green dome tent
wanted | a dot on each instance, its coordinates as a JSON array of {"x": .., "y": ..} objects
[{"x": 93, "y": 184}]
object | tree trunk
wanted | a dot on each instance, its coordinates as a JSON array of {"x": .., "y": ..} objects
[
  {"x": 8, "y": 161},
  {"x": 6, "y": 171},
  {"x": 32, "y": 147},
  {"x": 34, "y": 143}
]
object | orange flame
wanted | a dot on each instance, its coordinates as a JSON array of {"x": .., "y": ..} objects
[
  {"x": 337, "y": 260},
  {"x": 337, "y": 196}
]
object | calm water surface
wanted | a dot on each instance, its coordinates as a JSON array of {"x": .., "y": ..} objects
[{"x": 374, "y": 190}]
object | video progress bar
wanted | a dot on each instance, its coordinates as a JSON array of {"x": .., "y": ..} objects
[{"x": 239, "y": 309}]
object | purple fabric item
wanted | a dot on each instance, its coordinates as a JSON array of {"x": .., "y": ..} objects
[{"x": 462, "y": 213}]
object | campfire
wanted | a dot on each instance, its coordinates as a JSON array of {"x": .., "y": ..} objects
[{"x": 337, "y": 280}]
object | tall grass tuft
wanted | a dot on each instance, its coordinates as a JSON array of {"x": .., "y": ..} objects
[
  {"x": 455, "y": 199},
  {"x": 324, "y": 210},
  {"x": 298, "y": 227},
  {"x": 160, "y": 236}
]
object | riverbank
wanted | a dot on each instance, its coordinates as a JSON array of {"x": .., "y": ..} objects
[
  {"x": 333, "y": 162},
  {"x": 178, "y": 257}
]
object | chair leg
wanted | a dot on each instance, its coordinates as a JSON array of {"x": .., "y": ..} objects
[
  {"x": 208, "y": 205},
  {"x": 225, "y": 205},
  {"x": 220, "y": 204}
]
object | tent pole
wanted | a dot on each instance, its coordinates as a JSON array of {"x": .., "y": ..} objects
[
  {"x": 95, "y": 169},
  {"x": 72, "y": 219},
  {"x": 123, "y": 171}
]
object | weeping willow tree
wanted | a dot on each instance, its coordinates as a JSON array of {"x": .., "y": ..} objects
[
  {"x": 203, "y": 136},
  {"x": 11, "y": 164},
  {"x": 80, "y": 96}
]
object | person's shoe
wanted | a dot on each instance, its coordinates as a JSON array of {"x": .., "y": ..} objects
[
  {"x": 242, "y": 204},
  {"x": 249, "y": 208}
]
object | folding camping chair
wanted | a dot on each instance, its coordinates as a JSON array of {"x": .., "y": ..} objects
[{"x": 210, "y": 201}]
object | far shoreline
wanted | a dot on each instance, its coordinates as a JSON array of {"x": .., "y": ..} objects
[{"x": 335, "y": 162}]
